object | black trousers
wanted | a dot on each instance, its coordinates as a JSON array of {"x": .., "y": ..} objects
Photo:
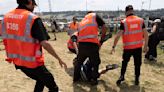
[
  {"x": 137, "y": 55},
  {"x": 90, "y": 50},
  {"x": 152, "y": 44},
  {"x": 42, "y": 76}
]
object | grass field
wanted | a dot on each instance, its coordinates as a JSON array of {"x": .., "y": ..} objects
[{"x": 152, "y": 74}]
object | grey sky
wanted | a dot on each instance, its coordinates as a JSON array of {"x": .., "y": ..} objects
[{"x": 65, "y": 5}]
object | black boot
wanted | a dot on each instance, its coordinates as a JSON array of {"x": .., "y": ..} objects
[
  {"x": 120, "y": 80},
  {"x": 137, "y": 81}
]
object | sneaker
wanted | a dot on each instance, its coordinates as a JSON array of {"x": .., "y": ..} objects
[
  {"x": 108, "y": 67},
  {"x": 111, "y": 67},
  {"x": 151, "y": 58},
  {"x": 120, "y": 80},
  {"x": 137, "y": 82}
]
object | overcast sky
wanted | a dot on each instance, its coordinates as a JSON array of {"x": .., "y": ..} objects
[{"x": 65, "y": 5}]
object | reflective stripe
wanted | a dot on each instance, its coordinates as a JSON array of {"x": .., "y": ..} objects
[
  {"x": 3, "y": 27},
  {"x": 28, "y": 24},
  {"x": 126, "y": 26},
  {"x": 126, "y": 32},
  {"x": 38, "y": 53},
  {"x": 87, "y": 25},
  {"x": 21, "y": 38},
  {"x": 132, "y": 32},
  {"x": 87, "y": 36},
  {"x": 25, "y": 58},
  {"x": 83, "y": 75},
  {"x": 133, "y": 43},
  {"x": 25, "y": 38},
  {"x": 94, "y": 18},
  {"x": 93, "y": 24},
  {"x": 70, "y": 32},
  {"x": 141, "y": 24}
]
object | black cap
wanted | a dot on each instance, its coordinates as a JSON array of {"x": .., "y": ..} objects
[
  {"x": 129, "y": 7},
  {"x": 89, "y": 12},
  {"x": 34, "y": 2},
  {"x": 23, "y": 2}
]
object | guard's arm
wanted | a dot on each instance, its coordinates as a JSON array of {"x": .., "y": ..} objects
[
  {"x": 146, "y": 38},
  {"x": 47, "y": 46},
  {"x": 103, "y": 34},
  {"x": 118, "y": 35}
]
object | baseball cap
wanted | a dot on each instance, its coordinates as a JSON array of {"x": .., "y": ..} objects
[
  {"x": 157, "y": 20},
  {"x": 34, "y": 2},
  {"x": 22, "y": 2},
  {"x": 128, "y": 7}
]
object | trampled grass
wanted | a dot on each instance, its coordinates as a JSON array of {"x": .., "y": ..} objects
[{"x": 152, "y": 74}]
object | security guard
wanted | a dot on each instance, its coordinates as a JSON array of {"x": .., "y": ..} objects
[
  {"x": 72, "y": 44},
  {"x": 73, "y": 27},
  {"x": 25, "y": 36},
  {"x": 132, "y": 30},
  {"x": 89, "y": 45}
]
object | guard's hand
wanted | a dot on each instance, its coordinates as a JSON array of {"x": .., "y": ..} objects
[
  {"x": 112, "y": 51},
  {"x": 62, "y": 64},
  {"x": 145, "y": 49},
  {"x": 100, "y": 44}
]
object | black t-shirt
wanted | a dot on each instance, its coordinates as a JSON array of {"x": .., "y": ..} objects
[
  {"x": 56, "y": 26},
  {"x": 99, "y": 21},
  {"x": 122, "y": 26},
  {"x": 38, "y": 30}
]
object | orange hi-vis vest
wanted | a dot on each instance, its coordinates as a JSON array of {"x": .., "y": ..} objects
[
  {"x": 21, "y": 48},
  {"x": 88, "y": 29},
  {"x": 70, "y": 44},
  {"x": 73, "y": 28},
  {"x": 133, "y": 34}
]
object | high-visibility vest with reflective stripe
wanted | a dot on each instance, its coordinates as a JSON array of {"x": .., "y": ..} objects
[
  {"x": 21, "y": 48},
  {"x": 88, "y": 29},
  {"x": 133, "y": 34},
  {"x": 70, "y": 44},
  {"x": 73, "y": 28}
]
